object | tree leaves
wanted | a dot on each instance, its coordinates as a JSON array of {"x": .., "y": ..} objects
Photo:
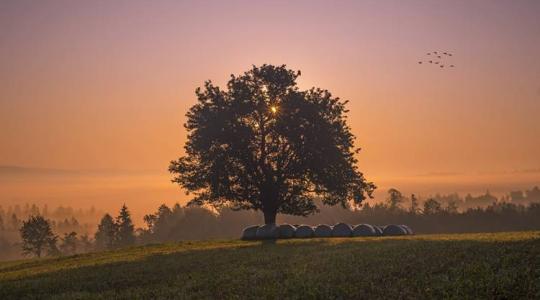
[{"x": 265, "y": 144}]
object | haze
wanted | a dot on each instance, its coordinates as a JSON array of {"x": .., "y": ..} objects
[{"x": 104, "y": 85}]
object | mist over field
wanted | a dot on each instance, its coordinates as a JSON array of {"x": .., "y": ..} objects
[{"x": 144, "y": 191}]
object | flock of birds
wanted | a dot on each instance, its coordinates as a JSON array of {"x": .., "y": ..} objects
[{"x": 438, "y": 58}]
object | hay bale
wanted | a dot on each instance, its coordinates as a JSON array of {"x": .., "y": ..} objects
[
  {"x": 341, "y": 230},
  {"x": 394, "y": 230},
  {"x": 267, "y": 232},
  {"x": 323, "y": 230},
  {"x": 364, "y": 230},
  {"x": 407, "y": 228},
  {"x": 378, "y": 230},
  {"x": 303, "y": 231},
  {"x": 250, "y": 233},
  {"x": 286, "y": 231}
]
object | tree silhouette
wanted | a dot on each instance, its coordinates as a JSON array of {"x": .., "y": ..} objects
[
  {"x": 126, "y": 233},
  {"x": 264, "y": 144},
  {"x": 414, "y": 205},
  {"x": 37, "y": 236},
  {"x": 106, "y": 235},
  {"x": 431, "y": 207},
  {"x": 395, "y": 198},
  {"x": 69, "y": 243}
]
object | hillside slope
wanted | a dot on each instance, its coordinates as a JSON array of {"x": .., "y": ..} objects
[{"x": 500, "y": 265}]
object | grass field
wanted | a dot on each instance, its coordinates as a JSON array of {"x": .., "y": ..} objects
[{"x": 499, "y": 265}]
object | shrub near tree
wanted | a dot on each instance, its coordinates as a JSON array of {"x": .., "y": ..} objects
[
  {"x": 264, "y": 144},
  {"x": 38, "y": 237}
]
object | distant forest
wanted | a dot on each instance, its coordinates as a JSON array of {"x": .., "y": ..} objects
[{"x": 76, "y": 231}]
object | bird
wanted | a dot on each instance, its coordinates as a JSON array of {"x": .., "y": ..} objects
[
  {"x": 439, "y": 56},
  {"x": 430, "y": 61},
  {"x": 436, "y": 62},
  {"x": 451, "y": 66},
  {"x": 429, "y": 53},
  {"x": 420, "y": 62},
  {"x": 435, "y": 52},
  {"x": 442, "y": 66}
]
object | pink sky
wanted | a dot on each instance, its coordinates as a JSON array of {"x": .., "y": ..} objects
[{"x": 106, "y": 84}]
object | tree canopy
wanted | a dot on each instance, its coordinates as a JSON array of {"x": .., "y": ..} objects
[
  {"x": 37, "y": 236},
  {"x": 264, "y": 144}
]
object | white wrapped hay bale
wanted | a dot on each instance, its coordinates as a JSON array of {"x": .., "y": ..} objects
[
  {"x": 378, "y": 230},
  {"x": 286, "y": 231},
  {"x": 250, "y": 233},
  {"x": 303, "y": 231},
  {"x": 394, "y": 230},
  {"x": 267, "y": 232},
  {"x": 364, "y": 230},
  {"x": 407, "y": 228},
  {"x": 341, "y": 230},
  {"x": 323, "y": 230}
]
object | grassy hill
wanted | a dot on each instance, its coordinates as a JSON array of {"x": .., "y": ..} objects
[{"x": 499, "y": 265}]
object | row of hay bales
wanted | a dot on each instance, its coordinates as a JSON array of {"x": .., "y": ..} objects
[{"x": 287, "y": 231}]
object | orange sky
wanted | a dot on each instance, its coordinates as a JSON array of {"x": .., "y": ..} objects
[{"x": 106, "y": 84}]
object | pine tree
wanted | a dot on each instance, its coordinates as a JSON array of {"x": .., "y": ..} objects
[
  {"x": 126, "y": 231},
  {"x": 106, "y": 235}
]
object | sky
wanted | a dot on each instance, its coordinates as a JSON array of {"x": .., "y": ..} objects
[{"x": 105, "y": 85}]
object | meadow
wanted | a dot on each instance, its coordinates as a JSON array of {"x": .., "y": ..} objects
[{"x": 492, "y": 265}]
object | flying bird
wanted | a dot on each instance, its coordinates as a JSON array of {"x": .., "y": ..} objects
[{"x": 439, "y": 60}]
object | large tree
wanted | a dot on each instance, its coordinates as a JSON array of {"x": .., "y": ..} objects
[{"x": 264, "y": 144}]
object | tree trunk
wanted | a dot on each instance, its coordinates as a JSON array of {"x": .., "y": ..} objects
[
  {"x": 269, "y": 216},
  {"x": 269, "y": 202}
]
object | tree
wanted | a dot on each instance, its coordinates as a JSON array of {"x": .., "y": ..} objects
[
  {"x": 266, "y": 145},
  {"x": 431, "y": 207},
  {"x": 395, "y": 198},
  {"x": 126, "y": 231},
  {"x": 14, "y": 223},
  {"x": 37, "y": 236},
  {"x": 86, "y": 243},
  {"x": 106, "y": 235},
  {"x": 69, "y": 243},
  {"x": 414, "y": 205},
  {"x": 452, "y": 207}
]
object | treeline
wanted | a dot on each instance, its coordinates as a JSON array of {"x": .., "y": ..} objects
[
  {"x": 62, "y": 220},
  {"x": 440, "y": 214},
  {"x": 517, "y": 197}
]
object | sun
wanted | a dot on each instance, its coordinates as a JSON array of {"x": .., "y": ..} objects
[{"x": 273, "y": 109}]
